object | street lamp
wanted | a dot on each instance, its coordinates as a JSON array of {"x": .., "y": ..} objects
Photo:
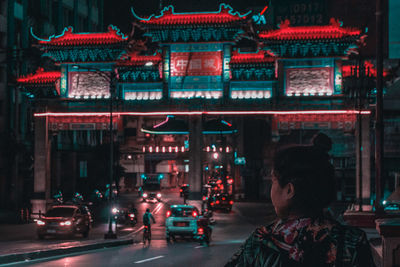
[{"x": 112, "y": 78}]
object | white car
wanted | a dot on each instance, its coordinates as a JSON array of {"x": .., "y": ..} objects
[{"x": 181, "y": 221}]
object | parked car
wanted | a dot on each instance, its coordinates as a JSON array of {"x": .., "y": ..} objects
[
  {"x": 65, "y": 219},
  {"x": 221, "y": 201},
  {"x": 181, "y": 221}
]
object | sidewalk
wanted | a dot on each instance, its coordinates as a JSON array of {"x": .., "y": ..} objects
[{"x": 19, "y": 242}]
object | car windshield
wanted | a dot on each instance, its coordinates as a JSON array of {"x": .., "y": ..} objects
[
  {"x": 151, "y": 187},
  {"x": 60, "y": 212},
  {"x": 182, "y": 212}
]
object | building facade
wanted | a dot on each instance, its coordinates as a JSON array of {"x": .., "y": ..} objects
[
  {"x": 202, "y": 104},
  {"x": 18, "y": 20}
]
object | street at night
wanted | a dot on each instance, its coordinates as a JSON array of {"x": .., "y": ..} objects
[
  {"x": 233, "y": 133},
  {"x": 229, "y": 232}
]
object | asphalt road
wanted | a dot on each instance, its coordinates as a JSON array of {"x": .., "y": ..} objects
[{"x": 229, "y": 232}]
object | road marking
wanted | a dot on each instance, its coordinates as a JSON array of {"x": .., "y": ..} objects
[
  {"x": 158, "y": 208},
  {"x": 200, "y": 247},
  {"x": 150, "y": 259}
]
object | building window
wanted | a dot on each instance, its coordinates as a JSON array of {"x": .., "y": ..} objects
[{"x": 83, "y": 169}]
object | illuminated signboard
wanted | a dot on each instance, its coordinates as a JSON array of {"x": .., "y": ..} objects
[
  {"x": 88, "y": 85},
  {"x": 309, "y": 81},
  {"x": 196, "y": 63}
]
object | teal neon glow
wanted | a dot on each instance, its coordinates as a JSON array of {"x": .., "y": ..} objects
[
  {"x": 170, "y": 7},
  {"x": 51, "y": 36},
  {"x": 71, "y": 29},
  {"x": 158, "y": 132}
]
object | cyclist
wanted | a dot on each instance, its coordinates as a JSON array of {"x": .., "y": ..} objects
[{"x": 147, "y": 216}]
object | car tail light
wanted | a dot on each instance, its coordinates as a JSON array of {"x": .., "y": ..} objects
[
  {"x": 231, "y": 202},
  {"x": 200, "y": 231},
  {"x": 40, "y": 222},
  {"x": 217, "y": 202},
  {"x": 212, "y": 204},
  {"x": 194, "y": 214},
  {"x": 223, "y": 198},
  {"x": 168, "y": 213},
  {"x": 180, "y": 190}
]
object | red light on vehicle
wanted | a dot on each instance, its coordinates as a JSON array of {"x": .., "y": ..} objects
[
  {"x": 230, "y": 181},
  {"x": 212, "y": 204},
  {"x": 180, "y": 190},
  {"x": 204, "y": 198},
  {"x": 168, "y": 213},
  {"x": 223, "y": 198},
  {"x": 194, "y": 214},
  {"x": 217, "y": 202},
  {"x": 219, "y": 182},
  {"x": 200, "y": 231},
  {"x": 231, "y": 202}
]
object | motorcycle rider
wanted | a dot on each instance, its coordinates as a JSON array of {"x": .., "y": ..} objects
[{"x": 147, "y": 216}]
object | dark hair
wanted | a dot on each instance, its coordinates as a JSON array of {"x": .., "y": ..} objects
[
  {"x": 309, "y": 169},
  {"x": 147, "y": 210}
]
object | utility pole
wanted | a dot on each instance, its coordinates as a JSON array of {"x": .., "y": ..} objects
[{"x": 379, "y": 129}]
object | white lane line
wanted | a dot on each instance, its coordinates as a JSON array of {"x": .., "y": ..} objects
[
  {"x": 150, "y": 259},
  {"x": 158, "y": 208},
  {"x": 200, "y": 247}
]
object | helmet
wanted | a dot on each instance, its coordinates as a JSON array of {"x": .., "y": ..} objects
[{"x": 147, "y": 210}]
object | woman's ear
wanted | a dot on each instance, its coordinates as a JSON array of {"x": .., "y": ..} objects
[{"x": 289, "y": 190}]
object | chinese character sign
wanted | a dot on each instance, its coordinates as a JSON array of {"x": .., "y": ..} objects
[{"x": 196, "y": 63}]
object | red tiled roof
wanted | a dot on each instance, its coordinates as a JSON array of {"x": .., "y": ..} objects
[
  {"x": 259, "y": 57},
  {"x": 168, "y": 17},
  {"x": 68, "y": 38},
  {"x": 40, "y": 77},
  {"x": 137, "y": 60},
  {"x": 331, "y": 31}
]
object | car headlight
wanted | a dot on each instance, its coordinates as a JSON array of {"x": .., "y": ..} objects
[
  {"x": 144, "y": 194},
  {"x": 159, "y": 195},
  {"x": 114, "y": 210},
  {"x": 66, "y": 223},
  {"x": 40, "y": 222}
]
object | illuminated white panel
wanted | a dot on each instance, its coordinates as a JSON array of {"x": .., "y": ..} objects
[
  {"x": 208, "y": 94},
  {"x": 143, "y": 95},
  {"x": 309, "y": 81},
  {"x": 88, "y": 85},
  {"x": 250, "y": 94}
]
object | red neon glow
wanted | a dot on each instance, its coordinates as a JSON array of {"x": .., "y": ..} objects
[
  {"x": 161, "y": 123},
  {"x": 370, "y": 70},
  {"x": 134, "y": 59},
  {"x": 170, "y": 18},
  {"x": 259, "y": 57},
  {"x": 331, "y": 31},
  {"x": 265, "y": 9},
  {"x": 194, "y": 214},
  {"x": 168, "y": 213},
  {"x": 190, "y": 113},
  {"x": 71, "y": 39},
  {"x": 200, "y": 231},
  {"x": 196, "y": 63},
  {"x": 40, "y": 77}
]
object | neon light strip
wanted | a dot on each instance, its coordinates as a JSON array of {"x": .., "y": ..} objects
[
  {"x": 165, "y": 132},
  {"x": 165, "y": 113},
  {"x": 161, "y": 123}
]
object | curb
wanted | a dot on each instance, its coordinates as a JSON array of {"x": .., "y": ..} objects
[{"x": 21, "y": 257}]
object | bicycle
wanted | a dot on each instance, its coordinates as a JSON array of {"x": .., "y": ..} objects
[{"x": 146, "y": 235}]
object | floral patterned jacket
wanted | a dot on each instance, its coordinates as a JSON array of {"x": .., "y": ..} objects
[{"x": 304, "y": 242}]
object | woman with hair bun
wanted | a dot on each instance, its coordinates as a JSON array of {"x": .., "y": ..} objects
[{"x": 303, "y": 185}]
